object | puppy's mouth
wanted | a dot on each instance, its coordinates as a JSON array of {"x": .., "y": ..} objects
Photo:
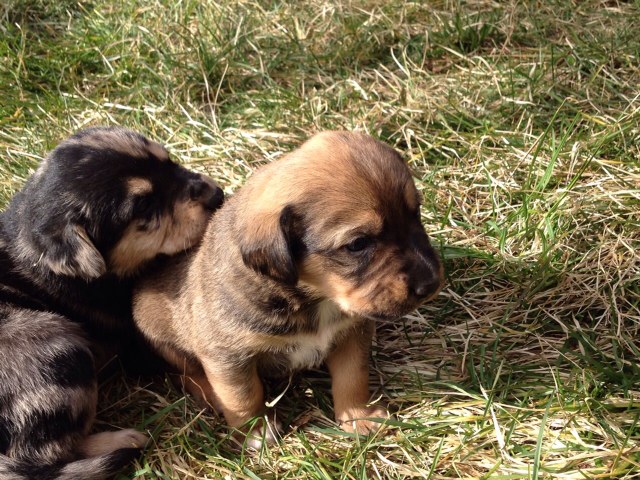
[
  {"x": 389, "y": 315},
  {"x": 401, "y": 309},
  {"x": 382, "y": 317}
]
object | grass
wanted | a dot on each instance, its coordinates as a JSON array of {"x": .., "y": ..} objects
[{"x": 521, "y": 121}]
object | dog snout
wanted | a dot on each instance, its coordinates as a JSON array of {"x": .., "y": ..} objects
[
  {"x": 424, "y": 285},
  {"x": 205, "y": 191},
  {"x": 425, "y": 278},
  {"x": 216, "y": 199}
]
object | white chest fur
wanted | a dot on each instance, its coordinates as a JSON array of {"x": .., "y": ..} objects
[{"x": 309, "y": 350}]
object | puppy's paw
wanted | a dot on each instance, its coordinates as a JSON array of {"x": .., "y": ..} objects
[
  {"x": 362, "y": 420},
  {"x": 105, "y": 442},
  {"x": 130, "y": 438},
  {"x": 265, "y": 431}
]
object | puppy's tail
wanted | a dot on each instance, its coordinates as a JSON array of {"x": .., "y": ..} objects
[{"x": 93, "y": 468}]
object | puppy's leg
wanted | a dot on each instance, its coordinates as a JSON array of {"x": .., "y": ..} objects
[
  {"x": 107, "y": 442},
  {"x": 240, "y": 395},
  {"x": 49, "y": 378},
  {"x": 197, "y": 384},
  {"x": 191, "y": 376},
  {"x": 348, "y": 365}
]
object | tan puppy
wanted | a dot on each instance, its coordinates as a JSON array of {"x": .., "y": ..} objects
[{"x": 293, "y": 271}]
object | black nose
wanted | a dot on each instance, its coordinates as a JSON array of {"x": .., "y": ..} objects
[
  {"x": 215, "y": 200},
  {"x": 205, "y": 191},
  {"x": 424, "y": 284}
]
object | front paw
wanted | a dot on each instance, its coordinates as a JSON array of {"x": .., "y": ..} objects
[
  {"x": 266, "y": 430},
  {"x": 362, "y": 420}
]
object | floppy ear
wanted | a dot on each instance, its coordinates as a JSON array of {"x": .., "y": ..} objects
[
  {"x": 72, "y": 253},
  {"x": 267, "y": 246}
]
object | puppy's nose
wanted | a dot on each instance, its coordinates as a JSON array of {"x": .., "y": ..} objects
[
  {"x": 216, "y": 199},
  {"x": 424, "y": 285},
  {"x": 205, "y": 191}
]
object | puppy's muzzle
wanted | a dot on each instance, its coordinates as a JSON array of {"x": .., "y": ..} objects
[
  {"x": 425, "y": 276},
  {"x": 424, "y": 283},
  {"x": 205, "y": 191}
]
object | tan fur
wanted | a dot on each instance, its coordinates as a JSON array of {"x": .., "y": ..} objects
[
  {"x": 348, "y": 365},
  {"x": 273, "y": 286},
  {"x": 107, "y": 442},
  {"x": 139, "y": 186},
  {"x": 87, "y": 255},
  {"x": 169, "y": 234}
]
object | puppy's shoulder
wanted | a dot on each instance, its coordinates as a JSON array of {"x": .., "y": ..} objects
[
  {"x": 165, "y": 277},
  {"x": 158, "y": 294}
]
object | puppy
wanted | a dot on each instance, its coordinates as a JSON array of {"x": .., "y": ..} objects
[
  {"x": 101, "y": 205},
  {"x": 293, "y": 271}
]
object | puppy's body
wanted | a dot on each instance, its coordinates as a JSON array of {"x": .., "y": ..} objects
[
  {"x": 292, "y": 272},
  {"x": 101, "y": 205}
]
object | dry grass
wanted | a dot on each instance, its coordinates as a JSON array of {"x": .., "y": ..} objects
[{"x": 521, "y": 121}]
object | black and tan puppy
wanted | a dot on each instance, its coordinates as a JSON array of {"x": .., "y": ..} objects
[
  {"x": 294, "y": 271},
  {"x": 100, "y": 206}
]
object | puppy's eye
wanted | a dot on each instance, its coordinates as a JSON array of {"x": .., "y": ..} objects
[
  {"x": 142, "y": 206},
  {"x": 359, "y": 244}
]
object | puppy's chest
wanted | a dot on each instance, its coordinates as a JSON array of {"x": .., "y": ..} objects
[{"x": 306, "y": 350}]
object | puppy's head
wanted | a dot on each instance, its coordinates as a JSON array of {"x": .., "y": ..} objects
[
  {"x": 340, "y": 218},
  {"x": 108, "y": 200}
]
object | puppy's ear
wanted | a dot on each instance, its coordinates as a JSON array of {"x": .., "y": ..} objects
[
  {"x": 71, "y": 252},
  {"x": 267, "y": 246}
]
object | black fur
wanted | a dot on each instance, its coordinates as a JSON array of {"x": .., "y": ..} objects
[
  {"x": 65, "y": 289},
  {"x": 104, "y": 466}
]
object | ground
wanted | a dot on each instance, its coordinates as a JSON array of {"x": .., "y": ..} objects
[{"x": 521, "y": 122}]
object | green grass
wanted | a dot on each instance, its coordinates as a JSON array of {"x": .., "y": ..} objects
[{"x": 521, "y": 121}]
